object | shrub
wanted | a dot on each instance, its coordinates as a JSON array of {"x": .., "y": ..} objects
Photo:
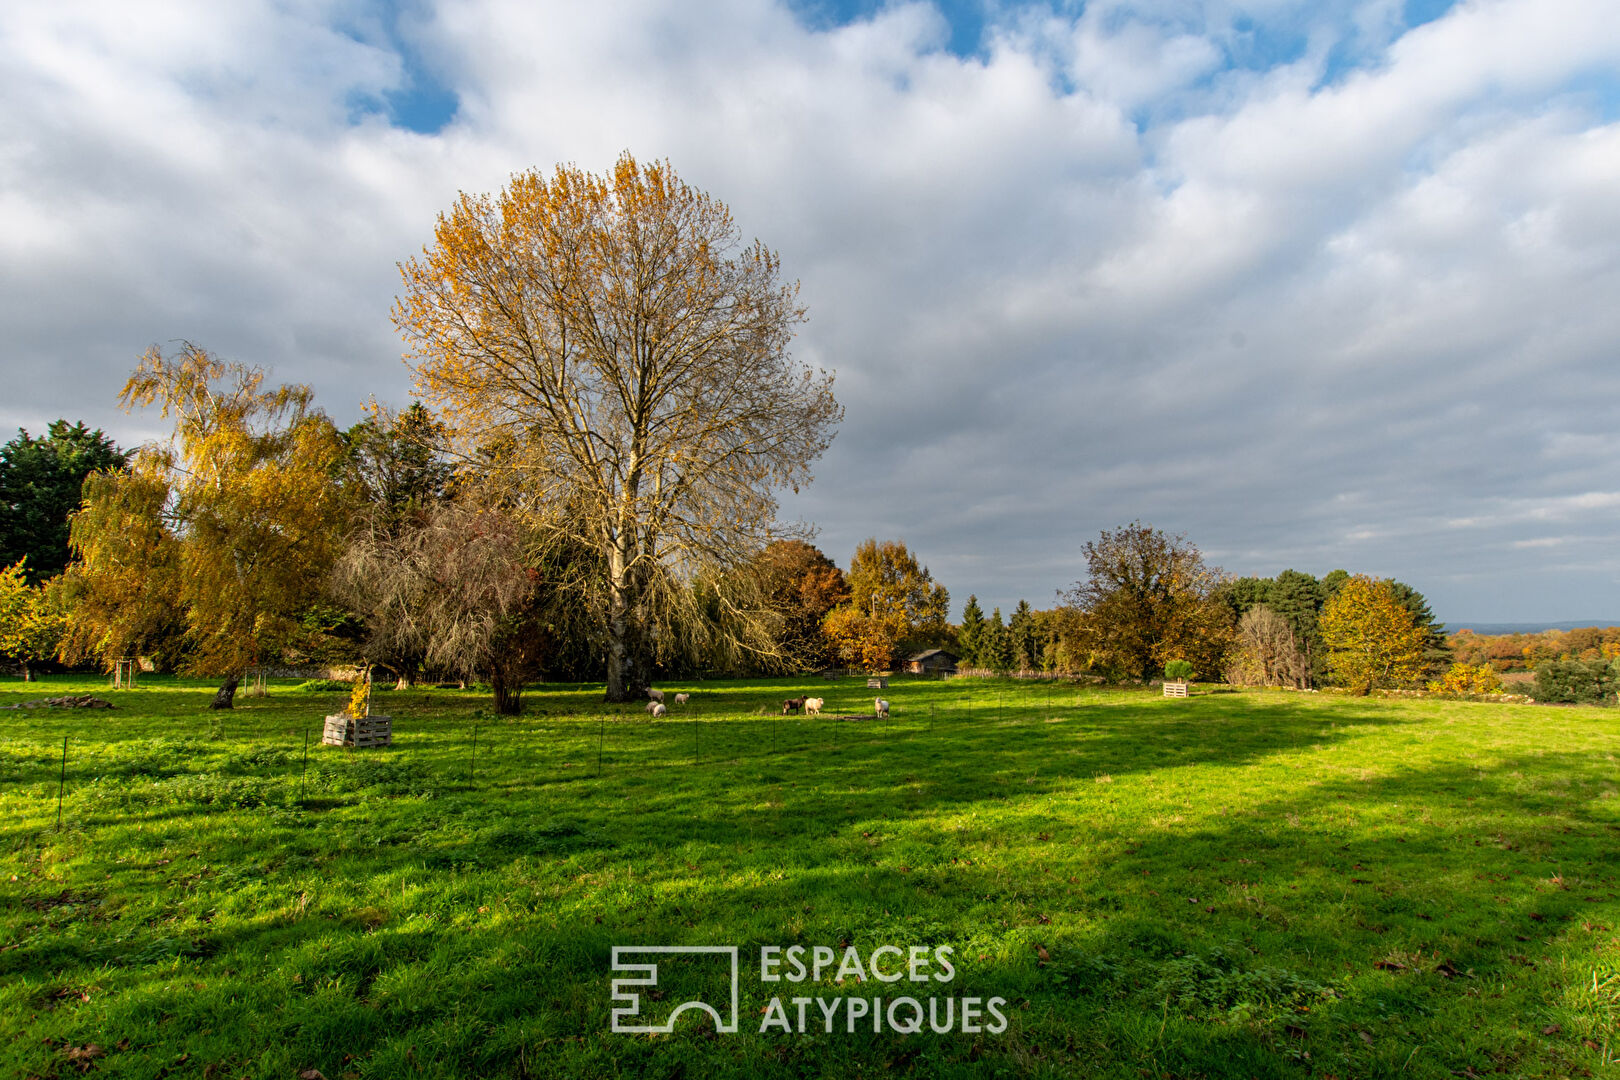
[
  {"x": 1583, "y": 682},
  {"x": 1178, "y": 670},
  {"x": 324, "y": 686},
  {"x": 1468, "y": 679}
]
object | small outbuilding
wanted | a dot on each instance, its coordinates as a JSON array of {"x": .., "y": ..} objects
[{"x": 932, "y": 662}]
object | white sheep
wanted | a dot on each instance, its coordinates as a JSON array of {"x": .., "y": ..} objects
[
  {"x": 682, "y": 699},
  {"x": 656, "y": 708},
  {"x": 882, "y": 708},
  {"x": 812, "y": 706},
  {"x": 656, "y": 695}
]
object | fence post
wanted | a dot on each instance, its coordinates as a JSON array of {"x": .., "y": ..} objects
[{"x": 61, "y": 785}]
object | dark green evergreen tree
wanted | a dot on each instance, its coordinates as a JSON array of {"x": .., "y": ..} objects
[
  {"x": 1298, "y": 598},
  {"x": 1436, "y": 653},
  {"x": 397, "y": 461},
  {"x": 39, "y": 488},
  {"x": 1245, "y": 593},
  {"x": 1024, "y": 637},
  {"x": 970, "y": 638},
  {"x": 997, "y": 653}
]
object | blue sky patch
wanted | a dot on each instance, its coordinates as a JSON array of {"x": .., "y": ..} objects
[
  {"x": 424, "y": 103},
  {"x": 1418, "y": 12},
  {"x": 966, "y": 18}
]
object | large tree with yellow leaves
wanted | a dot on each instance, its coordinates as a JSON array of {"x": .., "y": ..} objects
[
  {"x": 610, "y": 348},
  {"x": 229, "y": 528},
  {"x": 1372, "y": 637}
]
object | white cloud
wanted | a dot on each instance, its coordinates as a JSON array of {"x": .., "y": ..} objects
[{"x": 1046, "y": 321}]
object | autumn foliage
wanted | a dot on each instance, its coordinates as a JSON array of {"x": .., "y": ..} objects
[
  {"x": 228, "y": 528},
  {"x": 31, "y": 617},
  {"x": 1465, "y": 679},
  {"x": 609, "y": 349},
  {"x": 1372, "y": 639},
  {"x": 1148, "y": 599}
]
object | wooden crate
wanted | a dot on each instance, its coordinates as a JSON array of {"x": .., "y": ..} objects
[
  {"x": 1175, "y": 689},
  {"x": 373, "y": 730},
  {"x": 877, "y": 684}
]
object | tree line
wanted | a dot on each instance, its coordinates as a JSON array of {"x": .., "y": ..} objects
[
  {"x": 585, "y": 489},
  {"x": 262, "y": 535}
]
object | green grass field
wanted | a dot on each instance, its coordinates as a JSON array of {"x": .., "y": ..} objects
[{"x": 1233, "y": 885}]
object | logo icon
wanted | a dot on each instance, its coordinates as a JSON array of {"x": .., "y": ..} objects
[{"x": 624, "y": 989}]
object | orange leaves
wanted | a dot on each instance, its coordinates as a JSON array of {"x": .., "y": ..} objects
[{"x": 864, "y": 640}]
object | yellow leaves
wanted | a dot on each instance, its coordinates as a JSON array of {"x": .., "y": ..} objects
[
  {"x": 16, "y": 607},
  {"x": 31, "y": 618},
  {"x": 359, "y": 706},
  {"x": 1372, "y": 638},
  {"x": 1468, "y": 679},
  {"x": 232, "y": 525}
]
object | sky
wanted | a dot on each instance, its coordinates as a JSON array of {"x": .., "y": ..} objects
[{"x": 1317, "y": 284}]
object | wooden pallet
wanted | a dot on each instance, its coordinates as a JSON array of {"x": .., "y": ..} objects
[
  {"x": 1175, "y": 689},
  {"x": 373, "y": 730}
]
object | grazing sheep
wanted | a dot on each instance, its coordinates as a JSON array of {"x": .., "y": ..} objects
[
  {"x": 793, "y": 704},
  {"x": 812, "y": 706},
  {"x": 682, "y": 699},
  {"x": 882, "y": 708},
  {"x": 656, "y": 695},
  {"x": 656, "y": 708}
]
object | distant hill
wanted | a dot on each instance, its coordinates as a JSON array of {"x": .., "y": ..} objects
[{"x": 1525, "y": 627}]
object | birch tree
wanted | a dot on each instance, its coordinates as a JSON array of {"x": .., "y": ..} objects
[{"x": 232, "y": 523}]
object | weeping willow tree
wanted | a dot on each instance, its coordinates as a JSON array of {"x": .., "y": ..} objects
[
  {"x": 228, "y": 528},
  {"x": 477, "y": 591},
  {"x": 610, "y": 351}
]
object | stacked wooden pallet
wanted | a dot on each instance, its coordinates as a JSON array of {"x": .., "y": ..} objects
[
  {"x": 345, "y": 730},
  {"x": 1175, "y": 689}
]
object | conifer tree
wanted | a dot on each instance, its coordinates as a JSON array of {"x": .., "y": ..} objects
[
  {"x": 970, "y": 638},
  {"x": 1024, "y": 638}
]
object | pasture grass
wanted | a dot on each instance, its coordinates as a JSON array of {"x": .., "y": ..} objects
[{"x": 1231, "y": 885}]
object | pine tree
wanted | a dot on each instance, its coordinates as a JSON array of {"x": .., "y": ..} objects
[
  {"x": 970, "y": 638},
  {"x": 1436, "y": 652},
  {"x": 1025, "y": 638},
  {"x": 1298, "y": 598},
  {"x": 996, "y": 653}
]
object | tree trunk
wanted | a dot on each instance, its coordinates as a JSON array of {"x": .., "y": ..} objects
[
  {"x": 628, "y": 672},
  {"x": 225, "y": 696},
  {"x": 508, "y": 694},
  {"x": 28, "y": 675}
]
